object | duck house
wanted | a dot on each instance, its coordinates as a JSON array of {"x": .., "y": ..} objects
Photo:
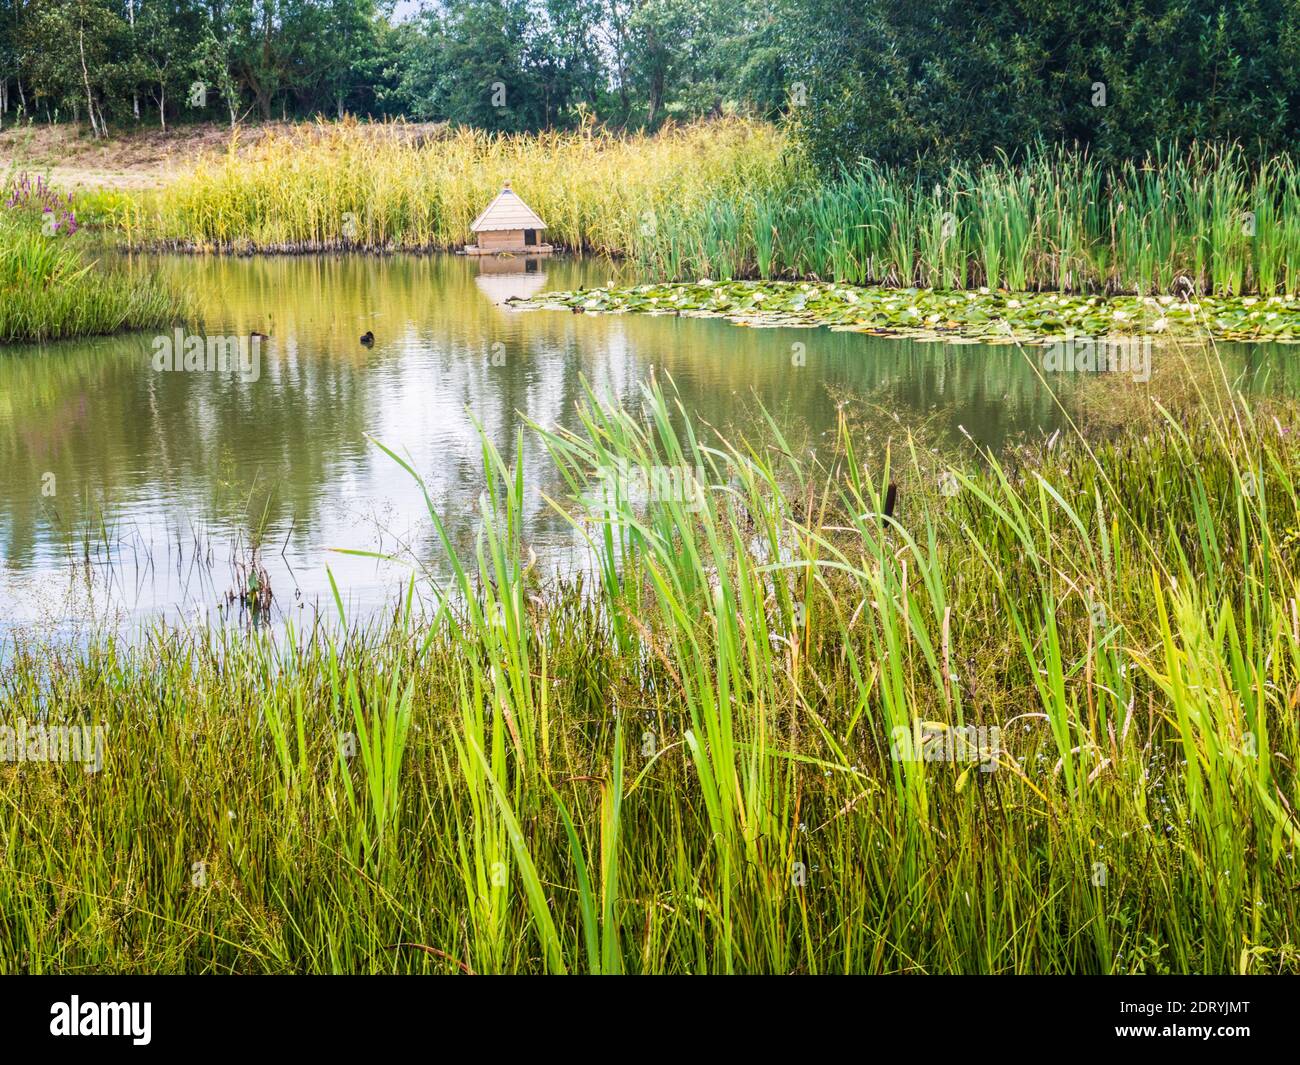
[{"x": 508, "y": 225}]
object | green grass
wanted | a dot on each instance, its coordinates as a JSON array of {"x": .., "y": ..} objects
[
  {"x": 683, "y": 763},
  {"x": 1198, "y": 219},
  {"x": 52, "y": 287}
]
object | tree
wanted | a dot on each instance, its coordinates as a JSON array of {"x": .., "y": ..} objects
[
  {"x": 485, "y": 80},
  {"x": 166, "y": 36},
  {"x": 938, "y": 80},
  {"x": 68, "y": 44}
]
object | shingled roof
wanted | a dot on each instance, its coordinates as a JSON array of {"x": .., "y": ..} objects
[{"x": 507, "y": 211}]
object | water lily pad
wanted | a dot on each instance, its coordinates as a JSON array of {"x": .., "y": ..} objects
[{"x": 971, "y": 316}]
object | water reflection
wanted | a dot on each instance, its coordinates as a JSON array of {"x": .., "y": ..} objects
[
  {"x": 126, "y": 492},
  {"x": 506, "y": 277}
]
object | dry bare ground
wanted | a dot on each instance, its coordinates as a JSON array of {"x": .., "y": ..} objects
[{"x": 138, "y": 159}]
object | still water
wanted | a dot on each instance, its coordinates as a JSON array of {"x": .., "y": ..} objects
[{"x": 127, "y": 493}]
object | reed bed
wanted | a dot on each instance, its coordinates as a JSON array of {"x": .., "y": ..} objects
[
  {"x": 735, "y": 199},
  {"x": 384, "y": 187},
  {"x": 726, "y": 752},
  {"x": 1201, "y": 221}
]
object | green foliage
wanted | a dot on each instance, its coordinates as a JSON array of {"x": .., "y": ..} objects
[
  {"x": 938, "y": 81},
  {"x": 925, "y": 84},
  {"x": 506, "y": 65},
  {"x": 992, "y": 317}
]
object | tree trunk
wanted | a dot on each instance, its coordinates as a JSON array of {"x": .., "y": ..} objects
[
  {"x": 656, "y": 96},
  {"x": 135, "y": 94},
  {"x": 85, "y": 80},
  {"x": 162, "y": 106},
  {"x": 656, "y": 77}
]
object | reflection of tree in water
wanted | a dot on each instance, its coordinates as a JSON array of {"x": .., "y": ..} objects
[{"x": 142, "y": 437}]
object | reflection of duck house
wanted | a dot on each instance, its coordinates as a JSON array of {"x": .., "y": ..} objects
[
  {"x": 508, "y": 225},
  {"x": 500, "y": 278}
]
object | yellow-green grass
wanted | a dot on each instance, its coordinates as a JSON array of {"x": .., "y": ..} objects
[
  {"x": 694, "y": 764},
  {"x": 381, "y": 187}
]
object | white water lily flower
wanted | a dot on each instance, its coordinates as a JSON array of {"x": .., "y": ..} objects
[
  {"x": 1013, "y": 303},
  {"x": 984, "y": 290},
  {"x": 1249, "y": 301},
  {"x": 1160, "y": 325},
  {"x": 1120, "y": 315},
  {"x": 1165, "y": 301}
]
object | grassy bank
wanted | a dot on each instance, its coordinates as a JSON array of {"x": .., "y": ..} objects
[
  {"x": 984, "y": 315},
  {"x": 53, "y": 287},
  {"x": 736, "y": 750}
]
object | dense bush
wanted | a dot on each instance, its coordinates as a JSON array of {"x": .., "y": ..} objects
[{"x": 938, "y": 80}]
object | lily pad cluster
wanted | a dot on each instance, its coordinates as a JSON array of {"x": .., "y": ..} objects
[{"x": 983, "y": 315}]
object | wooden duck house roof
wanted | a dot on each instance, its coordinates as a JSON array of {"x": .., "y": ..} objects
[{"x": 507, "y": 211}]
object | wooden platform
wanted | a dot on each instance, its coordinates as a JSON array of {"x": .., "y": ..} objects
[{"x": 527, "y": 249}]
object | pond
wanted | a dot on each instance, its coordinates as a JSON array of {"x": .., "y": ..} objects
[{"x": 127, "y": 492}]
